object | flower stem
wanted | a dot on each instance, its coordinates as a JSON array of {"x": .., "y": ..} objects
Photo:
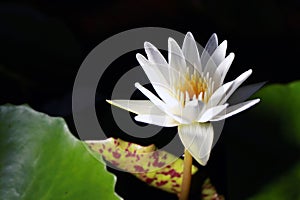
[{"x": 187, "y": 176}]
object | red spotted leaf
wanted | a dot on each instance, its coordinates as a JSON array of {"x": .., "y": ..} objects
[
  {"x": 209, "y": 192},
  {"x": 157, "y": 168}
]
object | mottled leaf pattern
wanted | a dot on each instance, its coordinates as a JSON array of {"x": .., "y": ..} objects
[
  {"x": 209, "y": 192},
  {"x": 157, "y": 168},
  {"x": 168, "y": 178}
]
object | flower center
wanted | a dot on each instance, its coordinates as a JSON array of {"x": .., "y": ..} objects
[{"x": 193, "y": 86}]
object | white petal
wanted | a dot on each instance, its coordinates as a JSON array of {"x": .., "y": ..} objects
[
  {"x": 243, "y": 93},
  {"x": 157, "y": 79},
  {"x": 219, "y": 54},
  {"x": 236, "y": 83},
  {"x": 159, "y": 120},
  {"x": 211, "y": 44},
  {"x": 176, "y": 57},
  {"x": 211, "y": 113},
  {"x": 140, "y": 107},
  {"x": 176, "y": 61},
  {"x": 223, "y": 69},
  {"x": 190, "y": 52},
  {"x": 216, "y": 58},
  {"x": 161, "y": 68},
  {"x": 154, "y": 54},
  {"x": 192, "y": 110},
  {"x": 152, "y": 71},
  {"x": 154, "y": 99},
  {"x": 219, "y": 94},
  {"x": 197, "y": 138},
  {"x": 210, "y": 47},
  {"x": 159, "y": 103},
  {"x": 232, "y": 110}
]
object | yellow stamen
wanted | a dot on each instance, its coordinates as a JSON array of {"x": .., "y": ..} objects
[{"x": 193, "y": 85}]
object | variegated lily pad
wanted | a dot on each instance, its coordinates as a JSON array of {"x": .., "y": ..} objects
[
  {"x": 209, "y": 192},
  {"x": 157, "y": 168}
]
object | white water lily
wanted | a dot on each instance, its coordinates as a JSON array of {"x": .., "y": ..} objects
[{"x": 191, "y": 91}]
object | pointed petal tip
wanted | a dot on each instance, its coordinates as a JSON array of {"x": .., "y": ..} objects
[
  {"x": 249, "y": 72},
  {"x": 138, "y": 55},
  {"x": 137, "y": 85},
  {"x": 231, "y": 54},
  {"x": 141, "y": 59},
  {"x": 214, "y": 35},
  {"x": 225, "y": 43},
  {"x": 136, "y": 118},
  {"x": 201, "y": 161},
  {"x": 109, "y": 101},
  {"x": 245, "y": 75},
  {"x": 171, "y": 40},
  {"x": 147, "y": 45},
  {"x": 256, "y": 101},
  {"x": 189, "y": 34}
]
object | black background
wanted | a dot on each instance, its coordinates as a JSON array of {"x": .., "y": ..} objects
[{"x": 43, "y": 43}]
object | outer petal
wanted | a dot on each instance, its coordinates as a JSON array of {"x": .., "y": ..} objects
[
  {"x": 154, "y": 99},
  {"x": 219, "y": 54},
  {"x": 140, "y": 107},
  {"x": 176, "y": 57},
  {"x": 159, "y": 120},
  {"x": 154, "y": 54},
  {"x": 216, "y": 58},
  {"x": 176, "y": 61},
  {"x": 210, "y": 47},
  {"x": 219, "y": 94},
  {"x": 190, "y": 52},
  {"x": 152, "y": 71},
  {"x": 223, "y": 69},
  {"x": 157, "y": 79},
  {"x": 160, "y": 104},
  {"x": 236, "y": 83},
  {"x": 232, "y": 110},
  {"x": 243, "y": 93},
  {"x": 156, "y": 60},
  {"x": 211, "y": 113},
  {"x": 197, "y": 138}
]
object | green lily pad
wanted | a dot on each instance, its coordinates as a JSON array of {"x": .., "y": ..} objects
[
  {"x": 264, "y": 149},
  {"x": 41, "y": 159},
  {"x": 283, "y": 100},
  {"x": 285, "y": 187}
]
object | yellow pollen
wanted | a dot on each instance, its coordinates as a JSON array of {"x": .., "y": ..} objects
[{"x": 194, "y": 85}]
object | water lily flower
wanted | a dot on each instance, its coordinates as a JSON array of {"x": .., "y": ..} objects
[{"x": 191, "y": 91}]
